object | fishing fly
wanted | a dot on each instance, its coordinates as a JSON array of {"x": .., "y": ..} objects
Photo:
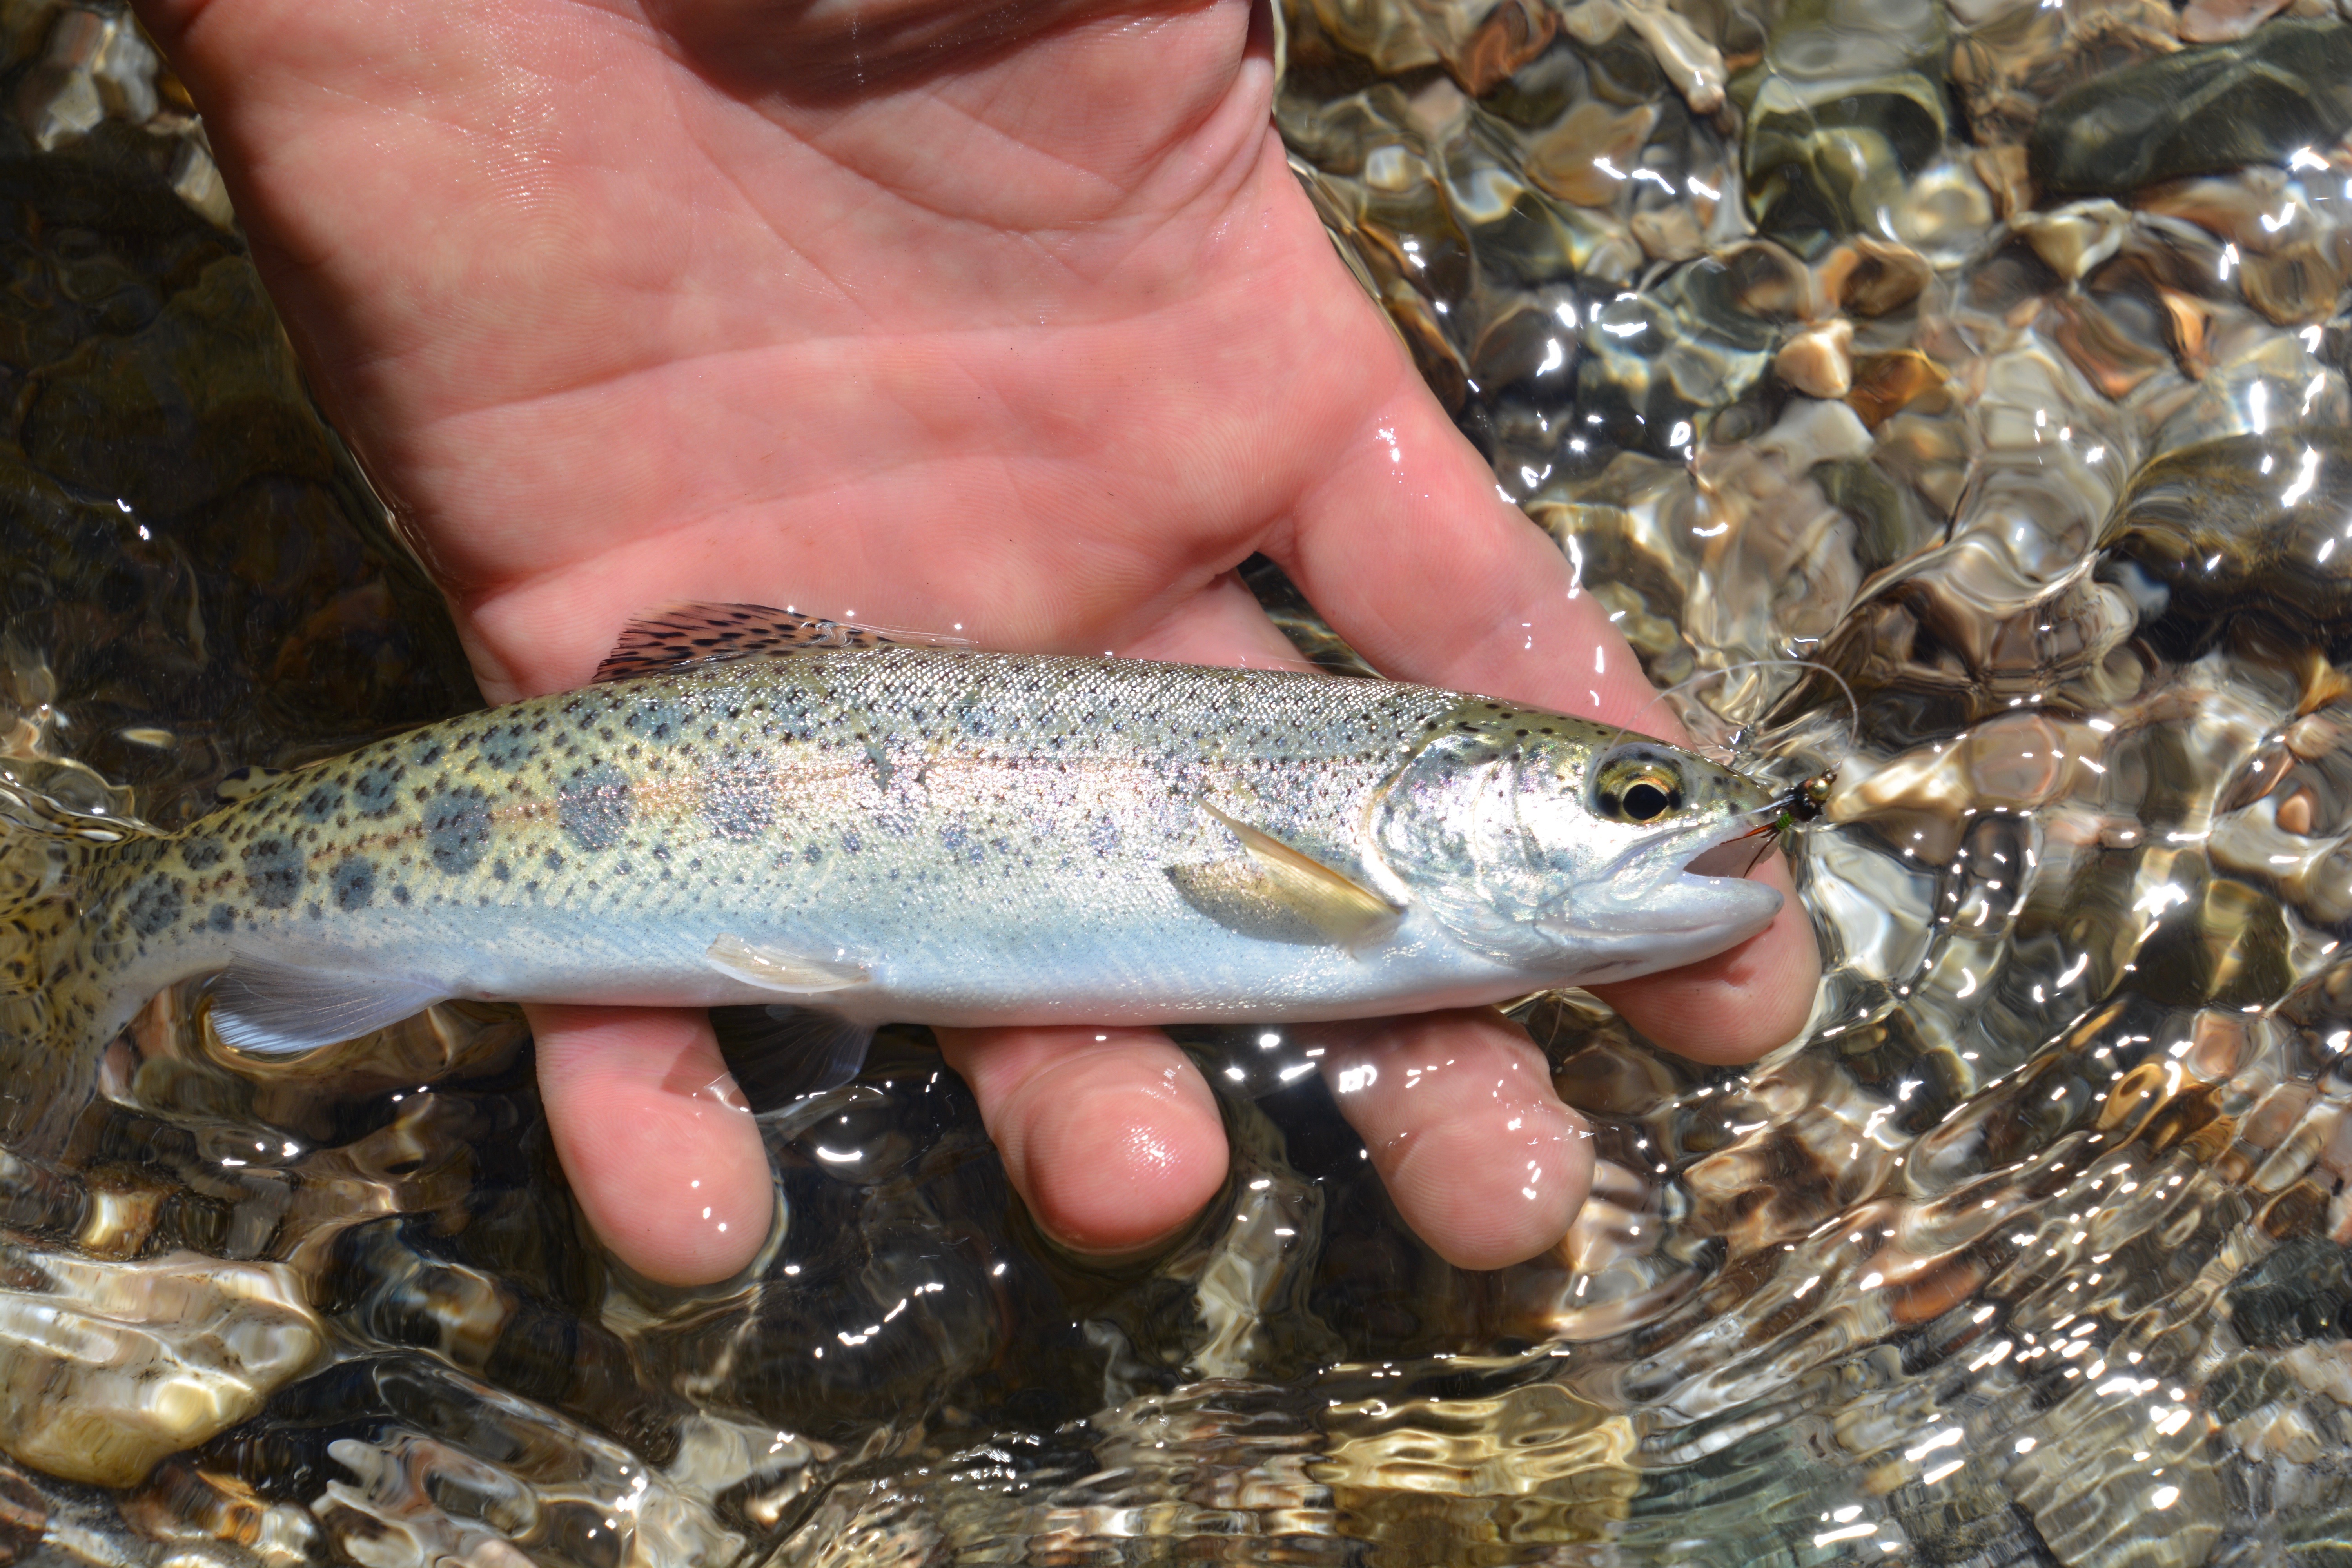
[{"x": 1802, "y": 804}]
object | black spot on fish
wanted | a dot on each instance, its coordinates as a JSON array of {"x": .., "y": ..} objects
[
  {"x": 850, "y": 842},
  {"x": 660, "y": 720},
  {"x": 223, "y": 918},
  {"x": 400, "y": 894},
  {"x": 200, "y": 854},
  {"x": 321, "y": 802},
  {"x": 353, "y": 882},
  {"x": 506, "y": 746},
  {"x": 273, "y": 868},
  {"x": 378, "y": 789},
  {"x": 457, "y": 828},
  {"x": 155, "y": 904},
  {"x": 554, "y": 860},
  {"x": 429, "y": 751},
  {"x": 594, "y": 807},
  {"x": 739, "y": 801},
  {"x": 502, "y": 871}
]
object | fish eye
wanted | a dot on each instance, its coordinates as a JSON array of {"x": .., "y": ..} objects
[{"x": 1638, "y": 788}]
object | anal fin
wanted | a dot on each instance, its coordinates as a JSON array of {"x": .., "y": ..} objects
[
  {"x": 682, "y": 635},
  {"x": 1277, "y": 894},
  {"x": 779, "y": 1054},
  {"x": 283, "y": 1010}
]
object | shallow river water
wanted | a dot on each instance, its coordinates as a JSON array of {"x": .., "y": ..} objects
[{"x": 1986, "y": 353}]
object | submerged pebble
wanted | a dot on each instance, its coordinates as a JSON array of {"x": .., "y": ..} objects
[
  {"x": 2240, "y": 538},
  {"x": 2285, "y": 88},
  {"x": 111, "y": 1366}
]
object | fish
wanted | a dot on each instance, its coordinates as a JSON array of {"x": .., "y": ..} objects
[{"x": 844, "y": 827}]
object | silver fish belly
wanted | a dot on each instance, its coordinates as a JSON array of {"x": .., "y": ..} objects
[{"x": 936, "y": 836}]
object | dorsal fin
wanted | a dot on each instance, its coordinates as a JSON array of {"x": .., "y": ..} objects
[{"x": 679, "y": 637}]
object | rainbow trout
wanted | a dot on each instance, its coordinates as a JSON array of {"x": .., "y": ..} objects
[{"x": 853, "y": 834}]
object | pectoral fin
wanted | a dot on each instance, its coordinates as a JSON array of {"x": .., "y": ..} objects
[
  {"x": 1277, "y": 894},
  {"x": 278, "y": 1010},
  {"x": 782, "y": 970}
]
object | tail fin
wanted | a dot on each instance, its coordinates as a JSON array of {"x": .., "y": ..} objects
[{"x": 59, "y": 824}]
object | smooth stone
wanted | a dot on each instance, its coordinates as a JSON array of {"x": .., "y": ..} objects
[
  {"x": 2198, "y": 112},
  {"x": 2243, "y": 525},
  {"x": 109, "y": 1368}
]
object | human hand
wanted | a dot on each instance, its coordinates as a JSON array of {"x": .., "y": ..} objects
[{"x": 920, "y": 312}]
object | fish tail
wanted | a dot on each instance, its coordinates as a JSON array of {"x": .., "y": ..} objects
[{"x": 56, "y": 865}]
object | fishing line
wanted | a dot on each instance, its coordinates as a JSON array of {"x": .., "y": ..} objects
[{"x": 1853, "y": 707}]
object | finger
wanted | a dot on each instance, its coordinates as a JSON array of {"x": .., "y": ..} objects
[
  {"x": 1409, "y": 554},
  {"x": 1741, "y": 1002},
  {"x": 1109, "y": 1135},
  {"x": 838, "y": 50},
  {"x": 1546, "y": 641},
  {"x": 1458, "y": 1114},
  {"x": 1223, "y": 624},
  {"x": 663, "y": 1155},
  {"x": 1407, "y": 550}
]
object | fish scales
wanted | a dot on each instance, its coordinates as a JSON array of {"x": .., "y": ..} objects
[
  {"x": 959, "y": 837},
  {"x": 923, "y": 799}
]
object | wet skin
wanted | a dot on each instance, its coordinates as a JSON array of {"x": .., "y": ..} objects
[{"x": 1011, "y": 320}]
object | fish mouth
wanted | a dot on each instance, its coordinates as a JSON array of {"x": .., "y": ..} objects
[
  {"x": 1682, "y": 885},
  {"x": 1718, "y": 851},
  {"x": 1729, "y": 858}
]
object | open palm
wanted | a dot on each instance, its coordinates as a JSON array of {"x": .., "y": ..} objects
[{"x": 1004, "y": 318}]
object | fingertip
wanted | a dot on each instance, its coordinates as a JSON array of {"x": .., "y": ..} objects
[
  {"x": 1459, "y": 1116},
  {"x": 662, "y": 1157},
  {"x": 1110, "y": 1136},
  {"x": 1488, "y": 1200},
  {"x": 1740, "y": 1003}
]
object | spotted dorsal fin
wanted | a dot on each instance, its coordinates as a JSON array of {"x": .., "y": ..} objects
[{"x": 679, "y": 637}]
